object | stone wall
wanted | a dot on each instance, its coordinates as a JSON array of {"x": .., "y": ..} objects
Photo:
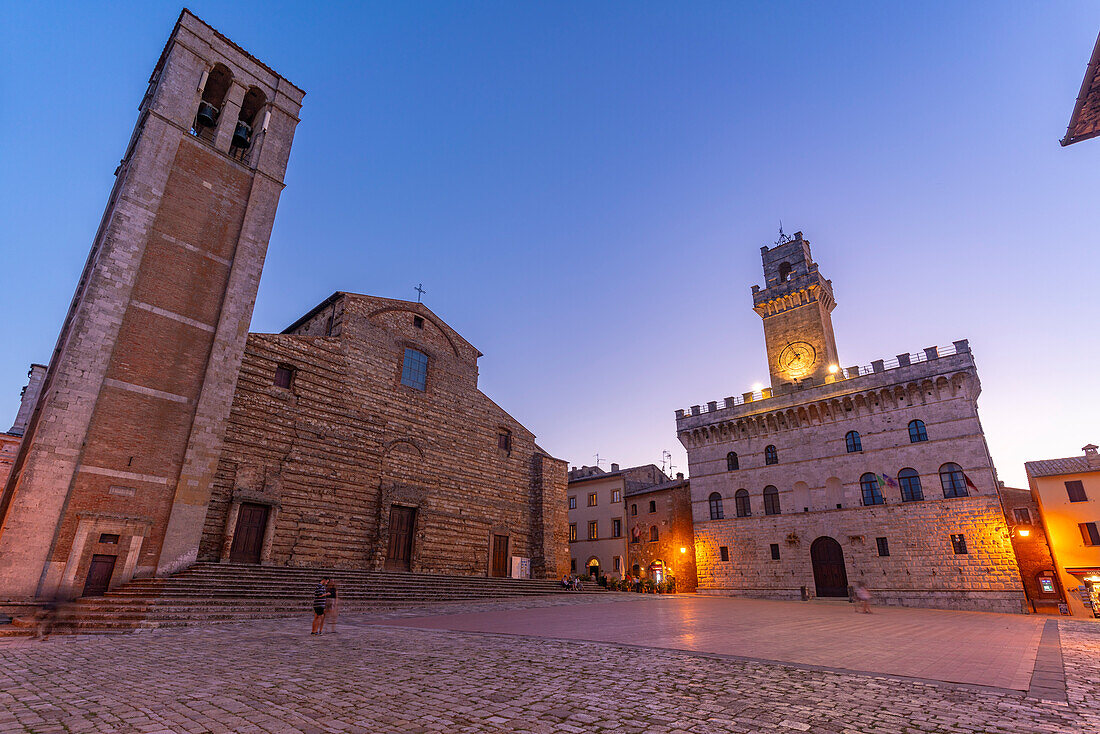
[
  {"x": 331, "y": 455},
  {"x": 675, "y": 531}
]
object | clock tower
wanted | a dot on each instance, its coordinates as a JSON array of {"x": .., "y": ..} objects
[{"x": 795, "y": 303}]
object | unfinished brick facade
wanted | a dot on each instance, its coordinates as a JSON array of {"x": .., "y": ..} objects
[
  {"x": 333, "y": 449},
  {"x": 876, "y": 474},
  {"x": 124, "y": 442}
]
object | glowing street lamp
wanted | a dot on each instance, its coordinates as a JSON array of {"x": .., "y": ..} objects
[
  {"x": 833, "y": 369},
  {"x": 683, "y": 550}
]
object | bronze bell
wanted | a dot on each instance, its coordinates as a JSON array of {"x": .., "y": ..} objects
[
  {"x": 208, "y": 114},
  {"x": 242, "y": 136}
]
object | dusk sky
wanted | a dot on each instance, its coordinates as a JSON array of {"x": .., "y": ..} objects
[{"x": 583, "y": 190}]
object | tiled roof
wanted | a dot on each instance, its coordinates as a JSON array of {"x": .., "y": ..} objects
[
  {"x": 1084, "y": 123},
  {"x": 1053, "y": 467}
]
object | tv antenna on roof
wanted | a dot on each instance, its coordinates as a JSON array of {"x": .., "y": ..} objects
[
  {"x": 783, "y": 238},
  {"x": 666, "y": 462}
]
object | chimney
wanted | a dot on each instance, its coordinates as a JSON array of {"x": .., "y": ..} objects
[
  {"x": 615, "y": 467},
  {"x": 679, "y": 475},
  {"x": 1091, "y": 455}
]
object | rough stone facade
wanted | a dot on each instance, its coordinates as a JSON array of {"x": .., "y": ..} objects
[
  {"x": 665, "y": 507},
  {"x": 792, "y": 440},
  {"x": 331, "y": 454},
  {"x": 1029, "y": 542},
  {"x": 124, "y": 442}
]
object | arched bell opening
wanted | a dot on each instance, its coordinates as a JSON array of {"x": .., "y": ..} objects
[
  {"x": 213, "y": 99},
  {"x": 244, "y": 132}
]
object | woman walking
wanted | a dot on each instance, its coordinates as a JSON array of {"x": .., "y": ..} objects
[
  {"x": 330, "y": 605},
  {"x": 320, "y": 594}
]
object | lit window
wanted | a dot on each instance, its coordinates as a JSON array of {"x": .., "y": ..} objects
[
  {"x": 616, "y": 496},
  {"x": 771, "y": 500},
  {"x": 715, "y": 501},
  {"x": 592, "y": 532},
  {"x": 572, "y": 531},
  {"x": 852, "y": 442},
  {"x": 953, "y": 480},
  {"x": 872, "y": 493},
  {"x": 917, "y": 432},
  {"x": 414, "y": 373},
  {"x": 910, "y": 485}
]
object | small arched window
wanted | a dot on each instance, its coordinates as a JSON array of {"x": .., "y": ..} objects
[
  {"x": 910, "y": 485},
  {"x": 953, "y": 480},
  {"x": 917, "y": 433},
  {"x": 872, "y": 492},
  {"x": 633, "y": 509},
  {"x": 771, "y": 500},
  {"x": 770, "y": 455},
  {"x": 741, "y": 501},
  {"x": 653, "y": 505},
  {"x": 852, "y": 442},
  {"x": 731, "y": 461},
  {"x": 715, "y": 501},
  {"x": 784, "y": 272}
]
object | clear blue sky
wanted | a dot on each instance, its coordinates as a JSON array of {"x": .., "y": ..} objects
[{"x": 583, "y": 189}]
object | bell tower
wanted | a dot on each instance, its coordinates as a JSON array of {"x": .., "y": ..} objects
[
  {"x": 795, "y": 304},
  {"x": 115, "y": 469}
]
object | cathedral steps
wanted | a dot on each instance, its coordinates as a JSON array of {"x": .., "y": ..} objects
[{"x": 215, "y": 592}]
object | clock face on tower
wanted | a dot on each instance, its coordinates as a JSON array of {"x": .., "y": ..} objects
[{"x": 797, "y": 359}]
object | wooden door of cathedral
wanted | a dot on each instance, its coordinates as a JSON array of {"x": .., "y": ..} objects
[
  {"x": 500, "y": 557},
  {"x": 99, "y": 575},
  {"x": 399, "y": 552},
  {"x": 829, "y": 575},
  {"x": 248, "y": 538}
]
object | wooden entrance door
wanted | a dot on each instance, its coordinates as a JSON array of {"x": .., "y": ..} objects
[
  {"x": 99, "y": 575},
  {"x": 399, "y": 553},
  {"x": 500, "y": 567},
  {"x": 248, "y": 539},
  {"x": 829, "y": 574}
]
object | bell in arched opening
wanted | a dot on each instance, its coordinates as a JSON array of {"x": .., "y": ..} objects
[
  {"x": 242, "y": 136},
  {"x": 208, "y": 114}
]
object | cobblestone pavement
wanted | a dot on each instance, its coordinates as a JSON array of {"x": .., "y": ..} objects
[{"x": 272, "y": 676}]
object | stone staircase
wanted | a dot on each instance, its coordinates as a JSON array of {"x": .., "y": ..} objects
[{"x": 226, "y": 592}]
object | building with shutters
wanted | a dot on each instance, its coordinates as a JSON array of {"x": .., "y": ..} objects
[{"x": 836, "y": 474}]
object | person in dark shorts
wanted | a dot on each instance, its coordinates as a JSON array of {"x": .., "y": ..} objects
[
  {"x": 330, "y": 605},
  {"x": 320, "y": 594}
]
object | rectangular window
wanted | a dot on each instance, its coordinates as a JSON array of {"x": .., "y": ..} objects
[
  {"x": 616, "y": 528},
  {"x": 504, "y": 441},
  {"x": 653, "y": 534},
  {"x": 572, "y": 565},
  {"x": 883, "y": 546},
  {"x": 775, "y": 551},
  {"x": 1089, "y": 533},
  {"x": 724, "y": 553},
  {"x": 572, "y": 531},
  {"x": 958, "y": 544},
  {"x": 633, "y": 509},
  {"x": 572, "y": 503},
  {"x": 1022, "y": 515},
  {"x": 592, "y": 531},
  {"x": 1076, "y": 491},
  {"x": 284, "y": 376},
  {"x": 414, "y": 373},
  {"x": 108, "y": 538},
  {"x": 616, "y": 496},
  {"x": 618, "y": 564},
  {"x": 592, "y": 500}
]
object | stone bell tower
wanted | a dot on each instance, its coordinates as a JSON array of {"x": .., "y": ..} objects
[
  {"x": 114, "y": 473},
  {"x": 795, "y": 303}
]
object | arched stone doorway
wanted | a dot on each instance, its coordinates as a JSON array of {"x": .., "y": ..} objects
[
  {"x": 593, "y": 567},
  {"x": 828, "y": 561},
  {"x": 657, "y": 571}
]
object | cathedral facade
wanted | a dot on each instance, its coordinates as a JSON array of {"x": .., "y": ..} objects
[{"x": 877, "y": 474}]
